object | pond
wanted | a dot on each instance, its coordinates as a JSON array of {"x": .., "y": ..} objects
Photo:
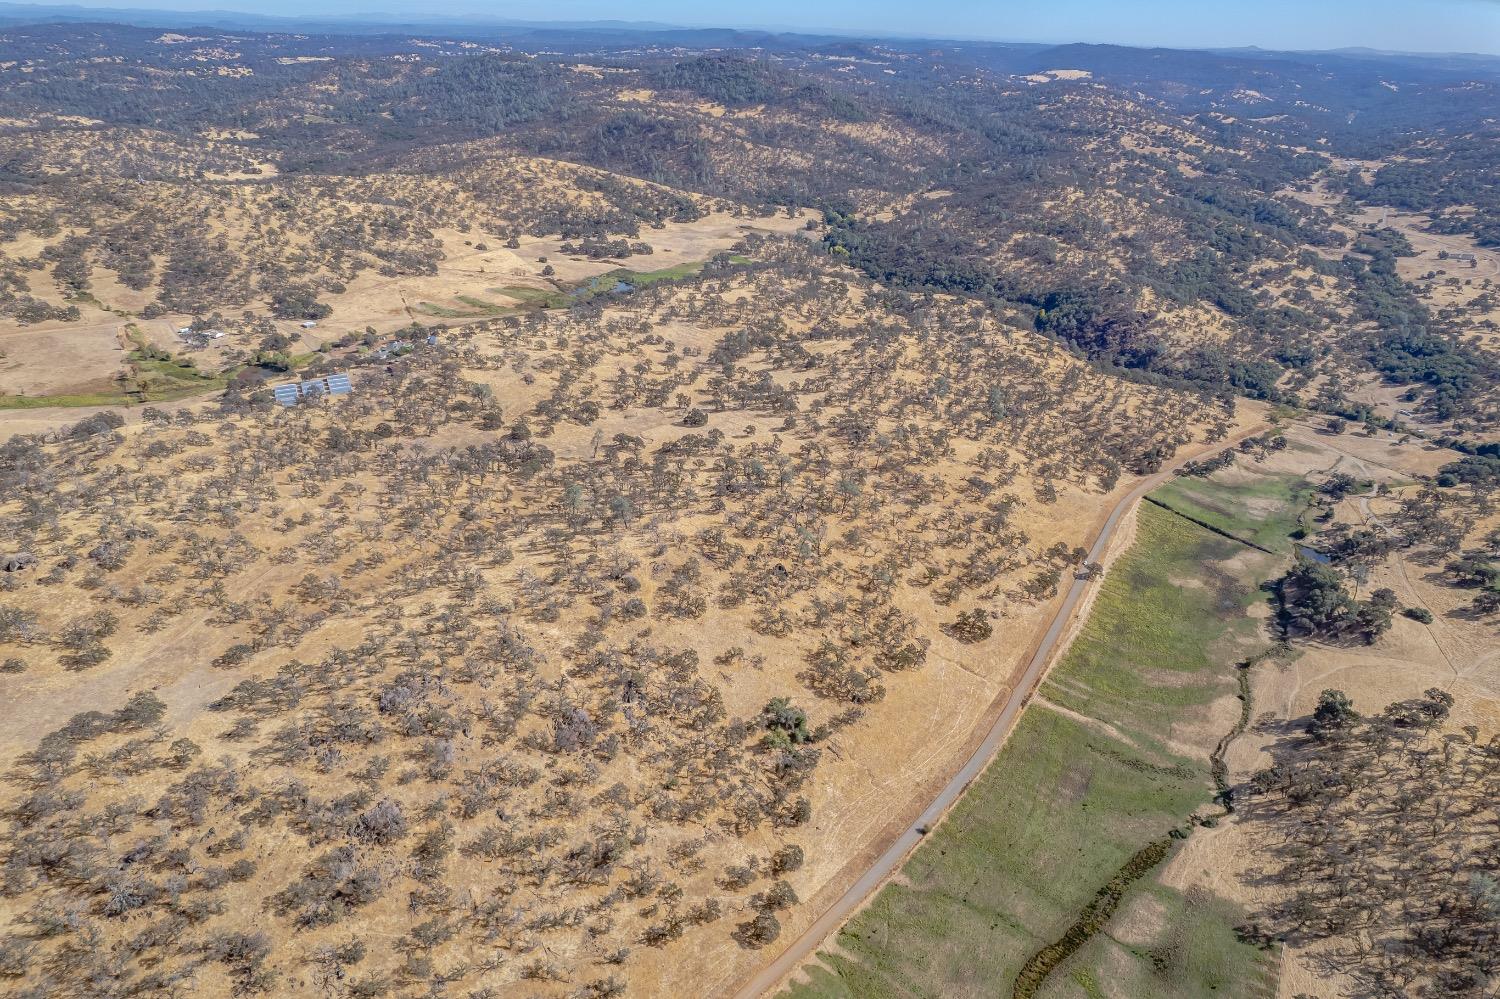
[{"x": 600, "y": 285}]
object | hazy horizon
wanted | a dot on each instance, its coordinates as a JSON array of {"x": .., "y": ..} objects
[{"x": 1433, "y": 26}]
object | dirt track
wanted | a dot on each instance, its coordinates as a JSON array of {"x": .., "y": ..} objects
[{"x": 901, "y": 844}]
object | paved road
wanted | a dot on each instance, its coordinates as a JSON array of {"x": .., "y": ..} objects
[{"x": 800, "y": 950}]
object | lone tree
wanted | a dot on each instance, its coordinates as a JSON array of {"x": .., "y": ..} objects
[{"x": 1333, "y": 716}]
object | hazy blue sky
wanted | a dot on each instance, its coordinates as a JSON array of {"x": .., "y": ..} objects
[{"x": 1408, "y": 25}]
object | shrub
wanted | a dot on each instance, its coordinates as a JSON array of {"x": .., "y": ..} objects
[
  {"x": 1334, "y": 714},
  {"x": 15, "y": 956},
  {"x": 971, "y": 626},
  {"x": 785, "y": 724},
  {"x": 760, "y": 931},
  {"x": 788, "y": 858},
  {"x": 298, "y": 302},
  {"x": 779, "y": 896},
  {"x": 382, "y": 824}
]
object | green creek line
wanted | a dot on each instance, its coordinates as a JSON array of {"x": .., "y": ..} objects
[{"x": 1098, "y": 912}]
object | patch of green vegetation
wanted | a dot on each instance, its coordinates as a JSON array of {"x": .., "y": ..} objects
[
  {"x": 143, "y": 391},
  {"x": 541, "y": 298},
  {"x": 552, "y": 298},
  {"x": 1282, "y": 413},
  {"x": 156, "y": 375},
  {"x": 642, "y": 278},
  {"x": 1086, "y": 981},
  {"x": 481, "y": 304},
  {"x": 677, "y": 273},
  {"x": 1193, "y": 953},
  {"x": 1086, "y": 781},
  {"x": 153, "y": 364},
  {"x": 1101, "y": 908},
  {"x": 1165, "y": 625},
  {"x": 171, "y": 393},
  {"x": 444, "y": 311},
  {"x": 1264, "y": 510},
  {"x": 174, "y": 369}
]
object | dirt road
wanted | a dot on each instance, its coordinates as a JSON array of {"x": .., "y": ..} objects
[{"x": 773, "y": 974}]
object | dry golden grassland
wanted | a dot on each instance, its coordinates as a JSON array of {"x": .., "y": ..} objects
[{"x": 471, "y": 666}]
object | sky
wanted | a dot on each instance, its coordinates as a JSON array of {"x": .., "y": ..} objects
[{"x": 1402, "y": 25}]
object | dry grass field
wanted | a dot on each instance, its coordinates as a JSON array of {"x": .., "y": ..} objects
[
  {"x": 726, "y": 428},
  {"x": 60, "y": 359},
  {"x": 512, "y": 598}
]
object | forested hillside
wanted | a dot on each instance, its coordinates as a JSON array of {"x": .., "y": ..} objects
[{"x": 1139, "y": 205}]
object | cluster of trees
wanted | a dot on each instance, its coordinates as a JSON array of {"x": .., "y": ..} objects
[
  {"x": 402, "y": 709},
  {"x": 1454, "y": 175},
  {"x": 479, "y": 95},
  {"x": 733, "y": 81},
  {"x": 1258, "y": 448},
  {"x": 598, "y": 249},
  {"x": 1481, "y": 471},
  {"x": 1407, "y": 347},
  {"x": 298, "y": 302},
  {"x": 1379, "y": 832},
  {"x": 1315, "y": 603}
]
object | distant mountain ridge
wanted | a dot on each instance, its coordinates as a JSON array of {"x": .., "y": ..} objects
[{"x": 650, "y": 32}]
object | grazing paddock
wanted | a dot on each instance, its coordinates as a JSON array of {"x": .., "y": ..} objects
[
  {"x": 1262, "y": 509},
  {"x": 59, "y": 359}
]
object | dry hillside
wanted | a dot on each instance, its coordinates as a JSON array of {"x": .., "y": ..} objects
[{"x": 555, "y": 654}]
